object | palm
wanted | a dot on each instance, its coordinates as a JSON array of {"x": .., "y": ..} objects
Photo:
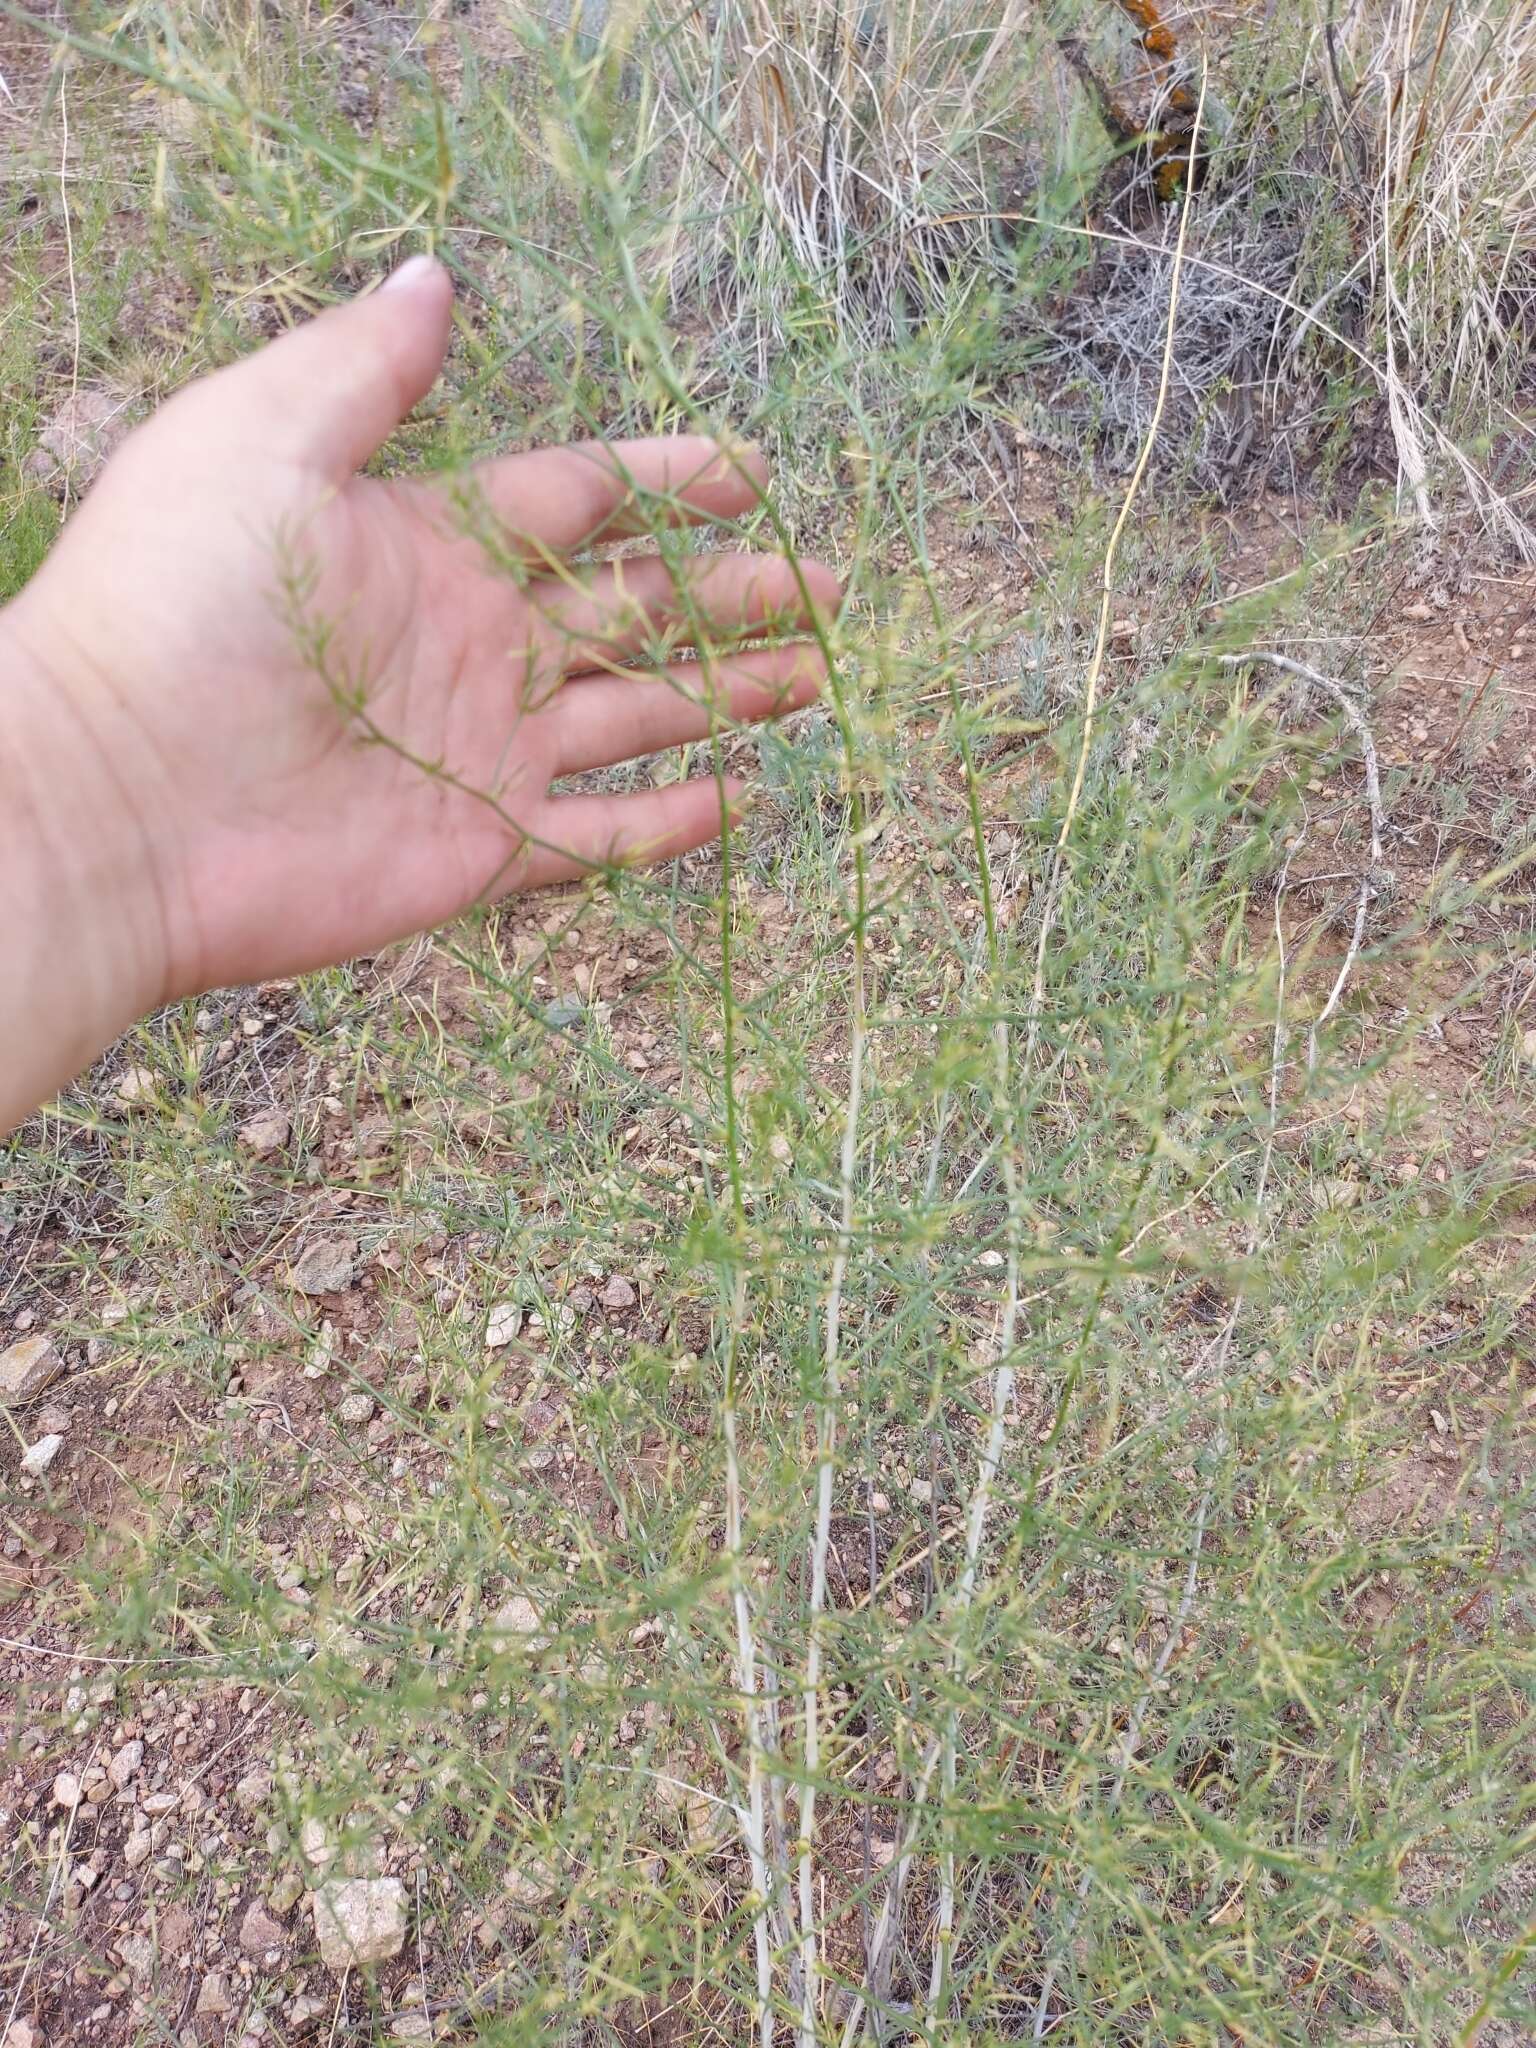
[{"x": 372, "y": 712}]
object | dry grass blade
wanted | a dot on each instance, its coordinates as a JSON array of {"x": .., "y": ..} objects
[{"x": 833, "y": 152}]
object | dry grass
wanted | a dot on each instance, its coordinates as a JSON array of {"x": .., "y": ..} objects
[{"x": 833, "y": 163}]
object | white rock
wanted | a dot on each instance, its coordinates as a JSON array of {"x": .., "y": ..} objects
[
  {"x": 125, "y": 1766},
  {"x": 518, "y": 1625},
  {"x": 259, "y": 1933},
  {"x": 619, "y": 1293},
  {"x": 253, "y": 1791},
  {"x": 66, "y": 1791},
  {"x": 322, "y": 1353},
  {"x": 359, "y": 1920},
  {"x": 213, "y": 1998},
  {"x": 531, "y": 1883},
  {"x": 503, "y": 1324},
  {"x": 138, "y": 1848},
  {"x": 357, "y": 1407},
  {"x": 559, "y": 1319},
  {"x": 26, "y": 1367},
  {"x": 315, "y": 1842},
  {"x": 139, "y": 1953},
  {"x": 265, "y": 1133},
  {"x": 39, "y": 1456},
  {"x": 325, "y": 1267},
  {"x": 136, "y": 1089}
]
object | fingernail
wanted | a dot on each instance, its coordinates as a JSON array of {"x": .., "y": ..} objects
[{"x": 410, "y": 273}]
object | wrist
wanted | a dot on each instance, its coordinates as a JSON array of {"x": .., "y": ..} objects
[{"x": 79, "y": 901}]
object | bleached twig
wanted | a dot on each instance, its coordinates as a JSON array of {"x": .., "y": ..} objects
[
  {"x": 69, "y": 263},
  {"x": 752, "y": 1819},
  {"x": 1107, "y": 588},
  {"x": 826, "y": 1447},
  {"x": 1370, "y": 879}
]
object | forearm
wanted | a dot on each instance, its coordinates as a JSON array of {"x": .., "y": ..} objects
[{"x": 79, "y": 949}]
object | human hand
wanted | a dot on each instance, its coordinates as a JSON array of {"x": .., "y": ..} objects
[{"x": 267, "y": 714}]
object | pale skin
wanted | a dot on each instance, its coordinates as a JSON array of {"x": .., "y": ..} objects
[{"x": 194, "y": 793}]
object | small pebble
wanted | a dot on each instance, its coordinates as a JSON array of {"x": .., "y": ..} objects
[
  {"x": 502, "y": 1324},
  {"x": 36, "y": 1459},
  {"x": 26, "y": 1368},
  {"x": 265, "y": 1133},
  {"x": 136, "y": 1088}
]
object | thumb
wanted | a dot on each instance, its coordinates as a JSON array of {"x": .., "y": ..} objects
[{"x": 331, "y": 392}]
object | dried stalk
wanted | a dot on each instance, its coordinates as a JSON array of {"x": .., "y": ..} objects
[
  {"x": 1107, "y": 599},
  {"x": 826, "y": 1446},
  {"x": 1371, "y": 876},
  {"x": 753, "y": 1820}
]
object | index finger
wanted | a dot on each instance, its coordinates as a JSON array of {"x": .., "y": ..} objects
[{"x": 555, "y": 502}]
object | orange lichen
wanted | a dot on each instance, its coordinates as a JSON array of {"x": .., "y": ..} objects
[
  {"x": 1169, "y": 144},
  {"x": 1155, "y": 36}
]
